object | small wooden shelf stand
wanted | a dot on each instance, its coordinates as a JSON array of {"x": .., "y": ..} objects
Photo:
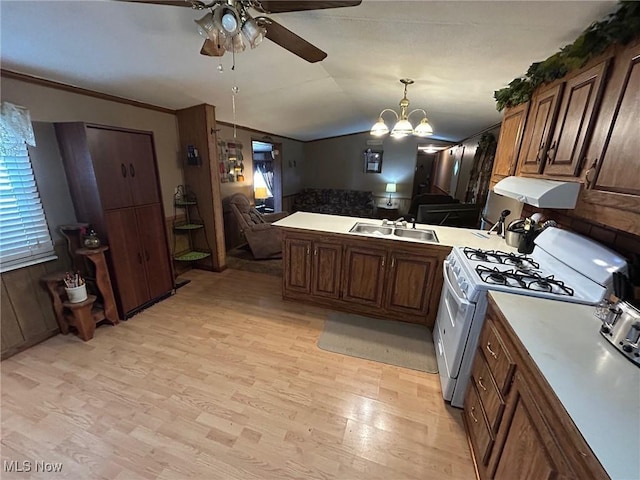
[{"x": 83, "y": 316}]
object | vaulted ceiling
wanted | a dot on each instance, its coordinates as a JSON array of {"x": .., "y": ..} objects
[{"x": 458, "y": 53}]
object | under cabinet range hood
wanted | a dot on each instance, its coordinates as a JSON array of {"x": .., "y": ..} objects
[{"x": 539, "y": 192}]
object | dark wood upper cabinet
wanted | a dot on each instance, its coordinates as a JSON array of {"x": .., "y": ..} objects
[
  {"x": 542, "y": 116},
  {"x": 581, "y": 98},
  {"x": 510, "y": 139},
  {"x": 616, "y": 146},
  {"x": 142, "y": 170}
]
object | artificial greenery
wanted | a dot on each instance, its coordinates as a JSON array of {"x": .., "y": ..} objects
[{"x": 622, "y": 26}]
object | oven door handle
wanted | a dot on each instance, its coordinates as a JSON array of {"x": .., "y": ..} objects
[{"x": 462, "y": 302}]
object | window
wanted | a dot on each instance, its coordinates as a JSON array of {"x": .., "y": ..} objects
[{"x": 24, "y": 233}]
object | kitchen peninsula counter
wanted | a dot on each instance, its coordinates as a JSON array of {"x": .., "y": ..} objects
[
  {"x": 447, "y": 236},
  {"x": 598, "y": 387}
]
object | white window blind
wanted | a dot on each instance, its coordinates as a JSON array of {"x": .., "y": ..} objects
[{"x": 24, "y": 234}]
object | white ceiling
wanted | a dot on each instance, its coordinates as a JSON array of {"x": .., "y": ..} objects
[{"x": 457, "y": 52}]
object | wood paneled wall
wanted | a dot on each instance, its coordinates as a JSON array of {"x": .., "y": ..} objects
[
  {"x": 27, "y": 315},
  {"x": 622, "y": 242}
]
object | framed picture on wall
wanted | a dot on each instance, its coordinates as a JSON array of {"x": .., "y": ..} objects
[{"x": 372, "y": 161}]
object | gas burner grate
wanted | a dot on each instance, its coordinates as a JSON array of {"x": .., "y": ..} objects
[
  {"x": 522, "y": 262},
  {"x": 523, "y": 279}
]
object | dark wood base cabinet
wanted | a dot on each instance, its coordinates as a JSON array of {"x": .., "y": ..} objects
[
  {"x": 382, "y": 278},
  {"x": 517, "y": 427}
]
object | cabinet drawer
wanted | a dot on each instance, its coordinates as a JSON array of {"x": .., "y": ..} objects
[
  {"x": 492, "y": 401},
  {"x": 481, "y": 437},
  {"x": 498, "y": 359}
]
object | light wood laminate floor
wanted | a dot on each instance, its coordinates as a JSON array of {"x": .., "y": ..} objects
[{"x": 224, "y": 381}]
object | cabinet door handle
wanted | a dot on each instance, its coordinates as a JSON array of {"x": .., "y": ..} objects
[
  {"x": 589, "y": 177},
  {"x": 139, "y": 258},
  {"x": 308, "y": 250},
  {"x": 146, "y": 254},
  {"x": 315, "y": 251},
  {"x": 123, "y": 170},
  {"x": 382, "y": 262},
  {"x": 493, "y": 354},
  {"x": 481, "y": 385},
  {"x": 132, "y": 170},
  {"x": 551, "y": 153},
  {"x": 473, "y": 409},
  {"x": 393, "y": 262}
]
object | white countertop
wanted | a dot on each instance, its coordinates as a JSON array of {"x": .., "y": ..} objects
[
  {"x": 598, "y": 386},
  {"x": 447, "y": 236}
]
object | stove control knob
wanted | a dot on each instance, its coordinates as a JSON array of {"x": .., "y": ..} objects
[
  {"x": 464, "y": 285},
  {"x": 627, "y": 348},
  {"x": 605, "y": 329}
]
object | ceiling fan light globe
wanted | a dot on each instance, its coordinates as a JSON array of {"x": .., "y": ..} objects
[
  {"x": 423, "y": 129},
  {"x": 379, "y": 129},
  {"x": 206, "y": 26},
  {"x": 402, "y": 129},
  {"x": 253, "y": 33},
  {"x": 229, "y": 23}
]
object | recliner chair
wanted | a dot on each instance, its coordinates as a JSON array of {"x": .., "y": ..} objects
[{"x": 264, "y": 239}]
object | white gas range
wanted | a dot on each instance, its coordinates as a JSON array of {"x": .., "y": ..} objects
[{"x": 563, "y": 266}]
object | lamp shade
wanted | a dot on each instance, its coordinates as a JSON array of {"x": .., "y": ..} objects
[
  {"x": 380, "y": 128},
  {"x": 423, "y": 129},
  {"x": 402, "y": 129},
  {"x": 261, "y": 193},
  {"x": 391, "y": 188}
]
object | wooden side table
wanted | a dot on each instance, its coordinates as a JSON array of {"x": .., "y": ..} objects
[
  {"x": 82, "y": 317},
  {"x": 102, "y": 280}
]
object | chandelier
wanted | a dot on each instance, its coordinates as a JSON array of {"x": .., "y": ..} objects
[
  {"x": 230, "y": 28},
  {"x": 403, "y": 127}
]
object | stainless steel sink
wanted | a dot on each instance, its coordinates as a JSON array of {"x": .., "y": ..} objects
[
  {"x": 383, "y": 230},
  {"x": 371, "y": 229},
  {"x": 424, "y": 235}
]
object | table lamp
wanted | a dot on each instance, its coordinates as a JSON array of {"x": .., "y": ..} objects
[
  {"x": 260, "y": 193},
  {"x": 391, "y": 188}
]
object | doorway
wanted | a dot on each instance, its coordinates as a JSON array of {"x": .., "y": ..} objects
[{"x": 267, "y": 175}]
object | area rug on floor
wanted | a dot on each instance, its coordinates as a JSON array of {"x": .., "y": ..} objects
[
  {"x": 242, "y": 259},
  {"x": 397, "y": 343}
]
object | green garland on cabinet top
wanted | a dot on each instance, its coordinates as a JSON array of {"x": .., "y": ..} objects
[{"x": 622, "y": 26}]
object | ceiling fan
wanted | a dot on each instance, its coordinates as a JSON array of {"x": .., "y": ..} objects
[{"x": 228, "y": 26}]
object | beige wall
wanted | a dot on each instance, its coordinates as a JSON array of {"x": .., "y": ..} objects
[
  {"x": 291, "y": 155},
  {"x": 52, "y": 105},
  {"x": 339, "y": 163}
]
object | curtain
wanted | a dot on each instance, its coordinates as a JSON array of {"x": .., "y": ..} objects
[
  {"x": 15, "y": 125},
  {"x": 268, "y": 178}
]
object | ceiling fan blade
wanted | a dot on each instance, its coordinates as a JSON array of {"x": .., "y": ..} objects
[
  {"x": 280, "y": 6},
  {"x": 174, "y": 3},
  {"x": 211, "y": 49},
  {"x": 290, "y": 41}
]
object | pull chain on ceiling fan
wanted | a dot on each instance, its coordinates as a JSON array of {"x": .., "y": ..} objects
[{"x": 229, "y": 27}]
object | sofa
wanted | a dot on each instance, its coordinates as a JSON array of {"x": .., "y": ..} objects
[
  {"x": 429, "y": 199},
  {"x": 351, "y": 203}
]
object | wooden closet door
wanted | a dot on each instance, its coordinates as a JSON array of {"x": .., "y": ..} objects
[
  {"x": 142, "y": 169},
  {"x": 109, "y": 150},
  {"x": 127, "y": 259},
  {"x": 153, "y": 247}
]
